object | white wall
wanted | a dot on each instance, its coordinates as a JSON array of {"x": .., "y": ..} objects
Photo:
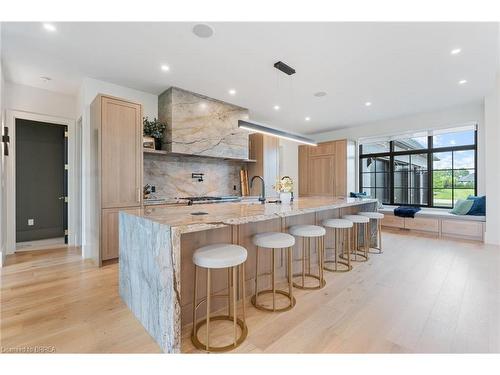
[
  {"x": 3, "y": 187},
  {"x": 289, "y": 162},
  {"x": 449, "y": 117},
  {"x": 492, "y": 159},
  {"x": 35, "y": 100},
  {"x": 492, "y": 165},
  {"x": 88, "y": 91}
]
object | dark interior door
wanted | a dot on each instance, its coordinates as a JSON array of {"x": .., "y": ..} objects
[{"x": 41, "y": 181}]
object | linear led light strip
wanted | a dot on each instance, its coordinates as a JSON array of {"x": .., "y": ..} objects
[{"x": 275, "y": 133}]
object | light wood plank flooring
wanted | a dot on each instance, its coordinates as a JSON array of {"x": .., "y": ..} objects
[{"x": 422, "y": 295}]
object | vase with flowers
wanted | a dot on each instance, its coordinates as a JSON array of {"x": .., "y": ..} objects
[
  {"x": 284, "y": 187},
  {"x": 155, "y": 129}
]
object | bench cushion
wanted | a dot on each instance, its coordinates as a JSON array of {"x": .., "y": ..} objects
[{"x": 436, "y": 213}]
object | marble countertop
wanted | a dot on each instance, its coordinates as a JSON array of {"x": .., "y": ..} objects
[{"x": 247, "y": 211}]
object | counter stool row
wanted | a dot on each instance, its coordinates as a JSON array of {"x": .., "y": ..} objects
[{"x": 232, "y": 258}]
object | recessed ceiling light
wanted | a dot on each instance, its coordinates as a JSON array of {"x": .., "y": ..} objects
[
  {"x": 202, "y": 30},
  {"x": 49, "y": 27},
  {"x": 232, "y": 92},
  {"x": 462, "y": 82},
  {"x": 368, "y": 104},
  {"x": 319, "y": 94},
  {"x": 276, "y": 107},
  {"x": 307, "y": 118},
  {"x": 165, "y": 68},
  {"x": 45, "y": 79},
  {"x": 456, "y": 51}
]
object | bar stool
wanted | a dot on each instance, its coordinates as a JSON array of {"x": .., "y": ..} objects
[
  {"x": 377, "y": 216},
  {"x": 308, "y": 232},
  {"x": 342, "y": 231},
  {"x": 273, "y": 241},
  {"x": 360, "y": 224},
  {"x": 212, "y": 257}
]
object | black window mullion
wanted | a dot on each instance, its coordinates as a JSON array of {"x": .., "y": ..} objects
[
  {"x": 430, "y": 173},
  {"x": 429, "y": 151},
  {"x": 391, "y": 171}
]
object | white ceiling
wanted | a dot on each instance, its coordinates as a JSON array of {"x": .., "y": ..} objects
[{"x": 401, "y": 68}]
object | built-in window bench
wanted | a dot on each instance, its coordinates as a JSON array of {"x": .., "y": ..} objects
[{"x": 438, "y": 221}]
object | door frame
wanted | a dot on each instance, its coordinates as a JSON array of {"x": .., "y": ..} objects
[{"x": 73, "y": 191}]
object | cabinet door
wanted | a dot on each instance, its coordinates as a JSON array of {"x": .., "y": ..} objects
[
  {"x": 303, "y": 170},
  {"x": 109, "y": 231},
  {"x": 321, "y": 175},
  {"x": 325, "y": 148},
  {"x": 121, "y": 153},
  {"x": 340, "y": 178}
]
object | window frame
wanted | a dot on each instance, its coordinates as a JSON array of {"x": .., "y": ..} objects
[{"x": 429, "y": 150}]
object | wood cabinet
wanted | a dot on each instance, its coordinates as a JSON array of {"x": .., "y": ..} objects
[
  {"x": 121, "y": 153},
  {"x": 323, "y": 169},
  {"x": 320, "y": 176},
  {"x": 109, "y": 231},
  {"x": 265, "y": 150},
  {"x": 117, "y": 142}
]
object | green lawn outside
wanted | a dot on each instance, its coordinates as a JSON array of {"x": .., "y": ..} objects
[{"x": 442, "y": 197}]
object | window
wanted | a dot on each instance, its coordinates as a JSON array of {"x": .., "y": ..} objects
[{"x": 431, "y": 169}]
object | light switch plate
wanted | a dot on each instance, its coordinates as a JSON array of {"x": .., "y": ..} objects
[{"x": 31, "y": 222}]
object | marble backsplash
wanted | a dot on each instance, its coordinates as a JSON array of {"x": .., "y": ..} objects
[
  {"x": 200, "y": 125},
  {"x": 172, "y": 176}
]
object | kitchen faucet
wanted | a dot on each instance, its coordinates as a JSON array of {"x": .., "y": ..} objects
[{"x": 262, "y": 197}]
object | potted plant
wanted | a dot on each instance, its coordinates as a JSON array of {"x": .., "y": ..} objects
[
  {"x": 284, "y": 187},
  {"x": 155, "y": 129}
]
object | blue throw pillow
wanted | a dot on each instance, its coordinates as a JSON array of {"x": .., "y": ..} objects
[
  {"x": 478, "y": 207},
  {"x": 358, "y": 195}
]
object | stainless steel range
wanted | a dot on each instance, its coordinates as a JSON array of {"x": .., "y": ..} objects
[{"x": 200, "y": 200}]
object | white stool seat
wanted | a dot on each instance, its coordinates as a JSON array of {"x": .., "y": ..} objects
[
  {"x": 337, "y": 223},
  {"x": 307, "y": 231},
  {"x": 273, "y": 240},
  {"x": 372, "y": 215},
  {"x": 221, "y": 255},
  {"x": 358, "y": 219}
]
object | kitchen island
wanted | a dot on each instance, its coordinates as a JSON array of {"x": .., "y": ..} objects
[{"x": 156, "y": 246}]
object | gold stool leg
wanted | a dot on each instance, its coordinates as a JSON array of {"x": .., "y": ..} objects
[
  {"x": 303, "y": 262},
  {"x": 195, "y": 298},
  {"x": 233, "y": 271},
  {"x": 290, "y": 273},
  {"x": 273, "y": 278},
  {"x": 275, "y": 291},
  {"x": 243, "y": 290},
  {"x": 229, "y": 291},
  {"x": 256, "y": 274},
  {"x": 378, "y": 224},
  {"x": 349, "y": 248},
  {"x": 308, "y": 240},
  {"x": 367, "y": 238},
  {"x": 208, "y": 309}
]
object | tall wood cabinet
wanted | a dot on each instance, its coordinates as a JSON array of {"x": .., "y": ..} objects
[
  {"x": 117, "y": 124},
  {"x": 323, "y": 169},
  {"x": 265, "y": 150}
]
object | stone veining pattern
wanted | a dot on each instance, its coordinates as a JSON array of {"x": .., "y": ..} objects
[
  {"x": 201, "y": 125},
  {"x": 149, "y": 278},
  {"x": 172, "y": 176}
]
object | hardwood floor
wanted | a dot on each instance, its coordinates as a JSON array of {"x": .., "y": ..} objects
[{"x": 421, "y": 295}]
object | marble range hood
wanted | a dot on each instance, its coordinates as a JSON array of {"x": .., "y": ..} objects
[{"x": 202, "y": 126}]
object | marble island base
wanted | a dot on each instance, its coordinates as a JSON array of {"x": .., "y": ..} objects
[{"x": 156, "y": 270}]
